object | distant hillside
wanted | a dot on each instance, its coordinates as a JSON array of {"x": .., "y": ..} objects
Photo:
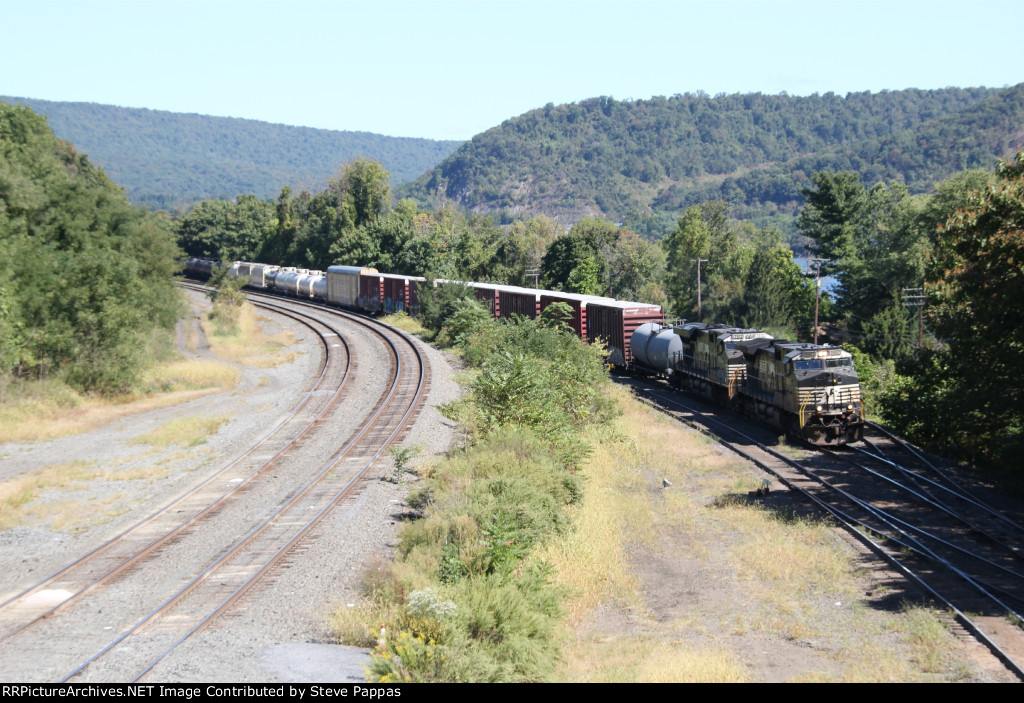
[
  {"x": 644, "y": 161},
  {"x": 170, "y": 159}
]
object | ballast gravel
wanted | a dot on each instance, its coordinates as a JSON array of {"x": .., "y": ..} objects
[{"x": 279, "y": 633}]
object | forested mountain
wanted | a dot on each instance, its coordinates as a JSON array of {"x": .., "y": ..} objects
[
  {"x": 169, "y": 159},
  {"x": 644, "y": 162}
]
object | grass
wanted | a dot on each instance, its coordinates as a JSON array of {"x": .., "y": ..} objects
[
  {"x": 19, "y": 496},
  {"x": 189, "y": 375},
  {"x": 47, "y": 409},
  {"x": 188, "y": 431},
  {"x": 775, "y": 577},
  {"x": 402, "y": 321},
  {"x": 631, "y": 659},
  {"x": 245, "y": 342},
  {"x": 928, "y": 637}
]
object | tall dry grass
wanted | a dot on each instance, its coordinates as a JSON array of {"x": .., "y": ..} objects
[
  {"x": 190, "y": 431},
  {"x": 245, "y": 342},
  {"x": 777, "y": 570}
]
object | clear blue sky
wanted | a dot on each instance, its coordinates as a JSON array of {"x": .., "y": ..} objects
[{"x": 449, "y": 70}]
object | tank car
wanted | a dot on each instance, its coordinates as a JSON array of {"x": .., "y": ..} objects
[{"x": 199, "y": 268}]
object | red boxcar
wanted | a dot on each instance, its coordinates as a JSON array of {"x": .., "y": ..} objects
[
  {"x": 513, "y": 300},
  {"x": 614, "y": 321},
  {"x": 577, "y": 302},
  {"x": 398, "y": 293},
  {"x": 371, "y": 291},
  {"x": 487, "y": 293},
  {"x": 414, "y": 294}
]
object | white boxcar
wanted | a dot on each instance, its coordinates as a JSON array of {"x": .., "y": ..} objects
[{"x": 343, "y": 284}]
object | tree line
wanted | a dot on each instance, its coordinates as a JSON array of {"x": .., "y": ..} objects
[
  {"x": 942, "y": 362},
  {"x": 170, "y": 160},
  {"x": 86, "y": 278}
]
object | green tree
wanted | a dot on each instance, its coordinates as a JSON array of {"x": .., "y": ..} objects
[
  {"x": 87, "y": 276},
  {"x": 703, "y": 232},
  {"x": 968, "y": 397},
  {"x": 634, "y": 264},
  {"x": 878, "y": 242},
  {"x": 776, "y": 292},
  {"x": 521, "y": 249},
  {"x": 832, "y": 213},
  {"x": 364, "y": 188},
  {"x": 227, "y": 231}
]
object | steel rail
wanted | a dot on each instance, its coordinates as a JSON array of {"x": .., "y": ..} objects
[
  {"x": 850, "y": 527},
  {"x": 216, "y": 501},
  {"x": 293, "y": 500}
]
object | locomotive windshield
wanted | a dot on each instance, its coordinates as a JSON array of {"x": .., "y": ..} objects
[
  {"x": 807, "y": 364},
  {"x": 833, "y": 363}
]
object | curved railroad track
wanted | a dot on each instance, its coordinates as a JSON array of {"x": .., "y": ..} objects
[{"x": 200, "y": 590}]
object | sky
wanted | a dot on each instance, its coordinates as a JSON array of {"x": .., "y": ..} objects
[{"x": 450, "y": 70}]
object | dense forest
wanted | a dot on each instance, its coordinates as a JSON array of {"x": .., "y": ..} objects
[
  {"x": 645, "y": 162},
  {"x": 85, "y": 277},
  {"x": 169, "y": 160},
  {"x": 641, "y": 163}
]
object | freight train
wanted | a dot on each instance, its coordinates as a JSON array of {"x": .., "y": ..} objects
[{"x": 806, "y": 390}]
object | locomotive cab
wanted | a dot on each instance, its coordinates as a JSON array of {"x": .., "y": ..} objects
[{"x": 824, "y": 393}]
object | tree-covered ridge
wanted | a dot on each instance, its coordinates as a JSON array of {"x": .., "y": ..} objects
[
  {"x": 85, "y": 277},
  {"x": 644, "y": 162},
  {"x": 168, "y": 159}
]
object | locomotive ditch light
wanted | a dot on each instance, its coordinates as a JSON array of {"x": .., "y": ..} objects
[
  {"x": 850, "y": 406},
  {"x": 818, "y": 408}
]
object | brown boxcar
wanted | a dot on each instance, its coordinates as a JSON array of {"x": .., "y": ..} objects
[
  {"x": 395, "y": 292},
  {"x": 487, "y": 293},
  {"x": 371, "y": 292},
  {"x": 577, "y": 302},
  {"x": 513, "y": 300},
  {"x": 614, "y": 321}
]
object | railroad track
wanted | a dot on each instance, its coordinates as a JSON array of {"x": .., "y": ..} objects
[
  {"x": 204, "y": 593},
  {"x": 964, "y": 554}
]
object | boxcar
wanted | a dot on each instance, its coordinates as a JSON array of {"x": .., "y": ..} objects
[
  {"x": 577, "y": 302},
  {"x": 371, "y": 292},
  {"x": 399, "y": 293},
  {"x": 513, "y": 300},
  {"x": 343, "y": 284},
  {"x": 614, "y": 321}
]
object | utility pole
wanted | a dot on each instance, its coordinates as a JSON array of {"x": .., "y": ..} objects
[
  {"x": 914, "y": 298},
  {"x": 817, "y": 262},
  {"x": 536, "y": 276},
  {"x": 699, "y": 316}
]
